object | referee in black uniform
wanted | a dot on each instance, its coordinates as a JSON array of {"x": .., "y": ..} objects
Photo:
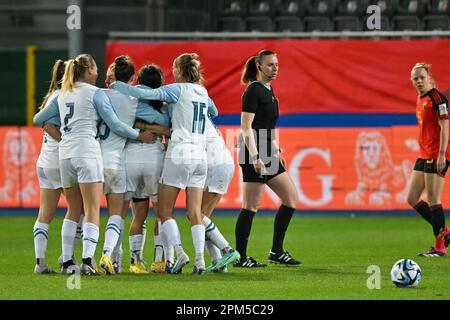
[{"x": 261, "y": 161}]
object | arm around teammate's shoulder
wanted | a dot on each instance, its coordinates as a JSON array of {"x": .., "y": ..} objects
[
  {"x": 150, "y": 115},
  {"x": 169, "y": 93},
  {"x": 104, "y": 108},
  {"x": 47, "y": 113}
]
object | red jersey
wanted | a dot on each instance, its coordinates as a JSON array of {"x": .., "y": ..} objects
[{"x": 430, "y": 108}]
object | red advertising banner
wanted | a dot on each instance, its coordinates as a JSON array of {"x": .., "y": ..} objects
[
  {"x": 326, "y": 76},
  {"x": 332, "y": 168}
]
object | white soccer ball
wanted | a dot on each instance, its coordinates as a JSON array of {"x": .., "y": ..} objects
[{"x": 406, "y": 274}]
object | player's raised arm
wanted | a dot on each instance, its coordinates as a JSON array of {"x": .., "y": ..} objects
[{"x": 169, "y": 94}]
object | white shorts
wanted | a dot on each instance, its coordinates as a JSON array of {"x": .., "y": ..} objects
[
  {"x": 184, "y": 174},
  {"x": 49, "y": 178},
  {"x": 142, "y": 180},
  {"x": 80, "y": 170},
  {"x": 219, "y": 177},
  {"x": 115, "y": 181}
]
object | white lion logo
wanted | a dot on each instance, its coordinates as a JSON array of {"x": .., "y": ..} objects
[
  {"x": 19, "y": 155},
  {"x": 376, "y": 172}
]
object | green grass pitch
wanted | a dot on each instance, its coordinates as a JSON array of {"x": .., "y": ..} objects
[{"x": 335, "y": 250}]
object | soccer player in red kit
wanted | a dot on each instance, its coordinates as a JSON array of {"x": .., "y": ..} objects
[{"x": 433, "y": 162}]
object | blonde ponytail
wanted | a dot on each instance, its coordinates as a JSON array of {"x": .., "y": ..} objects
[
  {"x": 75, "y": 68},
  {"x": 189, "y": 67},
  {"x": 55, "y": 83},
  {"x": 68, "y": 80}
]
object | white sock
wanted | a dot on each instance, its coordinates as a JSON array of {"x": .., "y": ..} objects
[
  {"x": 79, "y": 234},
  {"x": 198, "y": 237},
  {"x": 118, "y": 247},
  {"x": 68, "y": 231},
  {"x": 159, "y": 251},
  {"x": 173, "y": 235},
  {"x": 135, "y": 246},
  {"x": 213, "y": 233},
  {"x": 169, "y": 254},
  {"x": 144, "y": 236},
  {"x": 90, "y": 239},
  {"x": 112, "y": 234},
  {"x": 40, "y": 233},
  {"x": 213, "y": 251}
]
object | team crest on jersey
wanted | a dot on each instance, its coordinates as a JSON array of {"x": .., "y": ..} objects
[
  {"x": 442, "y": 109},
  {"x": 424, "y": 105}
]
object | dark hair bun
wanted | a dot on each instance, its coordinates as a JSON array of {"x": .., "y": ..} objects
[{"x": 122, "y": 61}]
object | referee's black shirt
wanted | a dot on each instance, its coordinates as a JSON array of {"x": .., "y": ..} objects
[{"x": 261, "y": 101}]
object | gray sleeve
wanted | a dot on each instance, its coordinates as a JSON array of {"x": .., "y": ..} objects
[
  {"x": 212, "y": 109},
  {"x": 105, "y": 110},
  {"x": 49, "y": 112},
  {"x": 169, "y": 94},
  {"x": 150, "y": 115}
]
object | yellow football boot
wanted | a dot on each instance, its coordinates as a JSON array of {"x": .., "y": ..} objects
[
  {"x": 138, "y": 268},
  {"x": 107, "y": 265},
  {"x": 158, "y": 267}
]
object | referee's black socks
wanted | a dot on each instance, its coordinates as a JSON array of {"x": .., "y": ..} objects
[
  {"x": 243, "y": 227},
  {"x": 281, "y": 224}
]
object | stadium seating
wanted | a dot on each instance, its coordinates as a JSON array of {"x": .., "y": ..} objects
[
  {"x": 351, "y": 8},
  {"x": 332, "y": 15},
  {"x": 347, "y": 23},
  {"x": 235, "y": 8},
  {"x": 314, "y": 24},
  {"x": 292, "y": 8},
  {"x": 436, "y": 23},
  {"x": 288, "y": 24},
  {"x": 322, "y": 8},
  {"x": 438, "y": 7},
  {"x": 232, "y": 24},
  {"x": 406, "y": 23},
  {"x": 260, "y": 23},
  {"x": 410, "y": 8}
]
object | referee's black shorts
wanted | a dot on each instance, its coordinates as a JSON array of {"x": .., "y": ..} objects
[
  {"x": 250, "y": 175},
  {"x": 429, "y": 166}
]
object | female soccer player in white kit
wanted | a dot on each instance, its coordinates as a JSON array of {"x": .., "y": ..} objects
[
  {"x": 220, "y": 173},
  {"x": 114, "y": 153},
  {"x": 80, "y": 105},
  {"x": 144, "y": 163},
  {"x": 49, "y": 177},
  {"x": 185, "y": 165},
  {"x": 48, "y": 174}
]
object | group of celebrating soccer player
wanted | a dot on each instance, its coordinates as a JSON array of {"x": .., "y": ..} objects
[
  {"x": 149, "y": 141},
  {"x": 90, "y": 148}
]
